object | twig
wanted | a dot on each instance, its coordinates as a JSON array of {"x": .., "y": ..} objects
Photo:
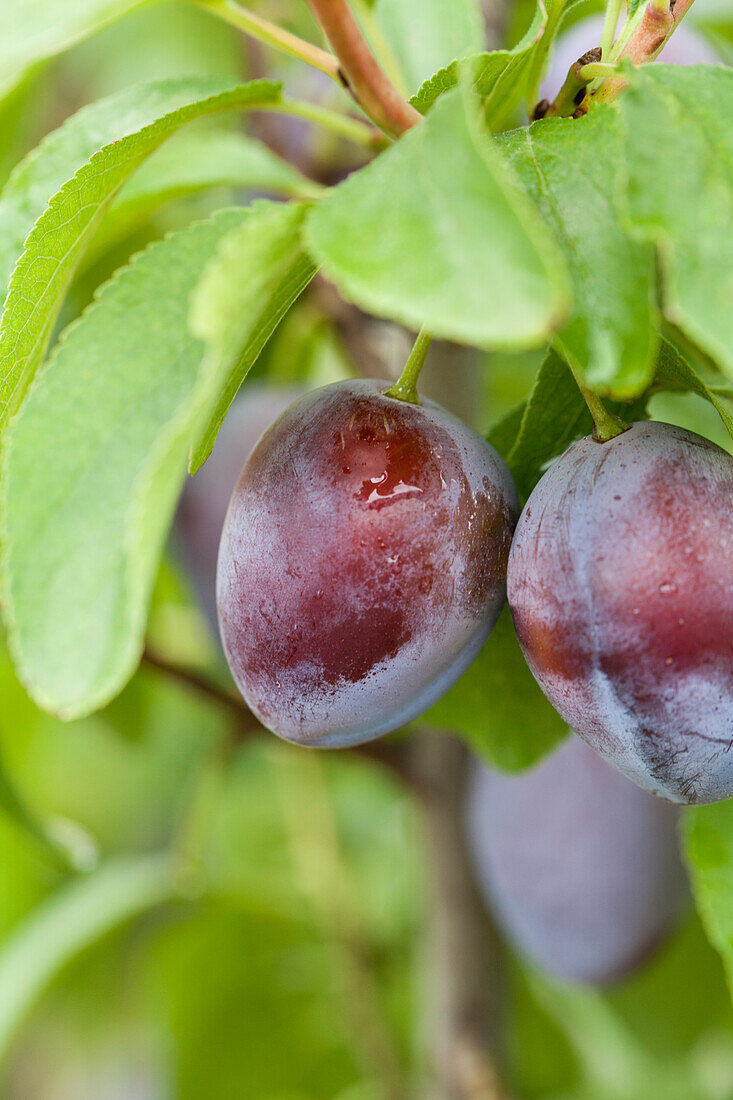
[
  {"x": 360, "y": 72},
  {"x": 204, "y": 686},
  {"x": 572, "y": 93},
  {"x": 642, "y": 39},
  {"x": 389, "y": 754}
]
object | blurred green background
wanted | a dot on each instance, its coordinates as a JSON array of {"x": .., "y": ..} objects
[{"x": 280, "y": 947}]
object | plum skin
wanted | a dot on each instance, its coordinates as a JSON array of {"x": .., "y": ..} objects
[
  {"x": 620, "y": 584},
  {"x": 362, "y": 563},
  {"x": 205, "y": 497},
  {"x": 580, "y": 867}
]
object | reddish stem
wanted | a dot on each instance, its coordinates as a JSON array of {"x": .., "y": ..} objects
[{"x": 362, "y": 75}]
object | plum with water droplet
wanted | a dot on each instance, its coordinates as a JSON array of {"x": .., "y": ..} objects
[
  {"x": 620, "y": 584},
  {"x": 580, "y": 868},
  {"x": 362, "y": 563}
]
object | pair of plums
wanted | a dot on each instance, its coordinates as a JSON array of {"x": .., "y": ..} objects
[{"x": 364, "y": 561}]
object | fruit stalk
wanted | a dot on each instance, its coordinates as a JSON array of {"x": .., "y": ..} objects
[
  {"x": 405, "y": 388},
  {"x": 605, "y": 425}
]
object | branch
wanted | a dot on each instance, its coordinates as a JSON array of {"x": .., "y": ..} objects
[
  {"x": 642, "y": 40},
  {"x": 463, "y": 998},
  {"x": 388, "y": 754},
  {"x": 361, "y": 74}
]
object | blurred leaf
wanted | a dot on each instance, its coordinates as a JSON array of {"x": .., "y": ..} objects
[
  {"x": 498, "y": 77},
  {"x": 672, "y": 372},
  {"x": 248, "y": 1003},
  {"x": 153, "y": 42},
  {"x": 37, "y": 29},
  {"x": 41, "y": 833},
  {"x": 664, "y": 1009},
  {"x": 259, "y": 270},
  {"x": 194, "y": 162},
  {"x": 568, "y": 168},
  {"x": 129, "y": 127},
  {"x": 92, "y": 468},
  {"x": 681, "y": 116},
  {"x": 709, "y": 851},
  {"x": 425, "y": 35},
  {"x": 498, "y": 706},
  {"x": 456, "y": 248},
  {"x": 615, "y": 1063},
  {"x": 68, "y": 921},
  {"x": 250, "y": 848}
]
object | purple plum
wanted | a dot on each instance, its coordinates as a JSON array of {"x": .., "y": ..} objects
[
  {"x": 620, "y": 584},
  {"x": 580, "y": 868},
  {"x": 362, "y": 563}
]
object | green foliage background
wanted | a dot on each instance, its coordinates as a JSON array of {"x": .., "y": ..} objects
[{"x": 185, "y": 910}]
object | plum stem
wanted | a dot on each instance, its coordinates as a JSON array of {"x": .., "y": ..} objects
[
  {"x": 360, "y": 71},
  {"x": 605, "y": 424},
  {"x": 272, "y": 35},
  {"x": 405, "y": 388}
]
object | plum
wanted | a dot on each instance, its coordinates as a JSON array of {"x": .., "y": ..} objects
[
  {"x": 620, "y": 584},
  {"x": 686, "y": 47},
  {"x": 580, "y": 868},
  {"x": 362, "y": 563},
  {"x": 205, "y": 498}
]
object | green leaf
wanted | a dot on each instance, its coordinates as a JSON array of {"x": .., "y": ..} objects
[
  {"x": 38, "y": 29},
  {"x": 258, "y": 272},
  {"x": 92, "y": 468},
  {"x": 672, "y": 372},
  {"x": 554, "y": 416},
  {"x": 498, "y": 77},
  {"x": 678, "y": 118},
  {"x": 709, "y": 851},
  {"x": 70, "y": 920},
  {"x": 435, "y": 232},
  {"x": 568, "y": 167},
  {"x": 59, "y": 855},
  {"x": 426, "y": 34},
  {"x": 192, "y": 162},
  {"x": 498, "y": 707},
  {"x": 129, "y": 127}
]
